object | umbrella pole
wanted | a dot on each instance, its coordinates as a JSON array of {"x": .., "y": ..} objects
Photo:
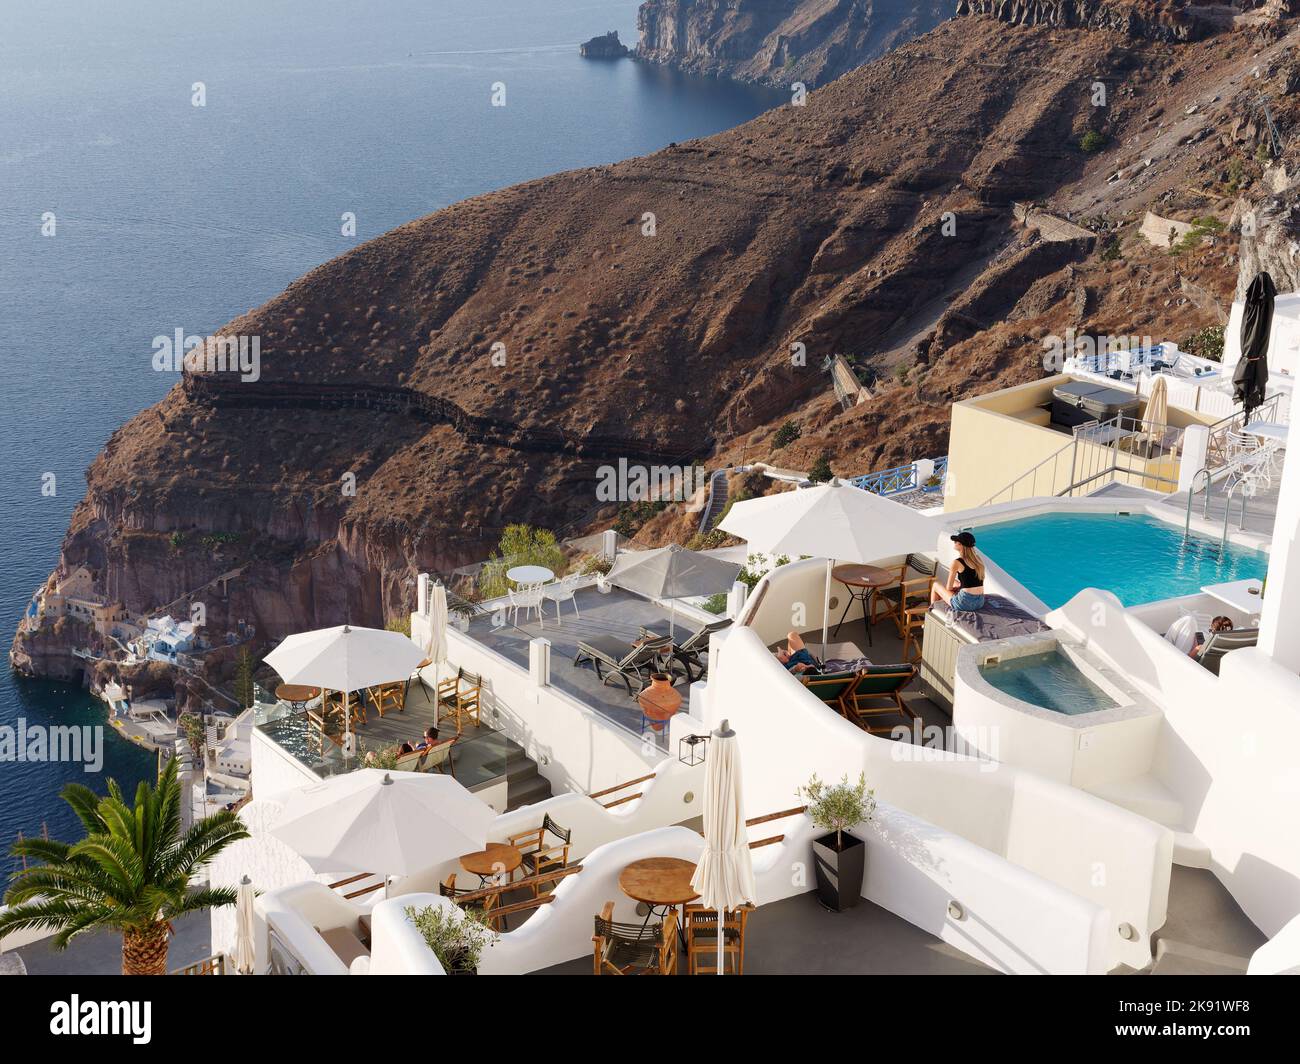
[
  {"x": 720, "y": 953},
  {"x": 826, "y": 606}
]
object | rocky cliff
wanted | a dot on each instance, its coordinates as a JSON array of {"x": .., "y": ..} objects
[
  {"x": 477, "y": 367},
  {"x": 779, "y": 42}
]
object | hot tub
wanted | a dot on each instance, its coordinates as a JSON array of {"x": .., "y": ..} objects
[{"x": 1046, "y": 703}]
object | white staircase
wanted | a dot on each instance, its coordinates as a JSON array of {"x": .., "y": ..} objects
[{"x": 1150, "y": 798}]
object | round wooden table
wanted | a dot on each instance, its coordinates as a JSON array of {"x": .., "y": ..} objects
[
  {"x": 497, "y": 859},
  {"x": 296, "y": 694},
  {"x": 661, "y": 884},
  {"x": 862, "y": 582}
]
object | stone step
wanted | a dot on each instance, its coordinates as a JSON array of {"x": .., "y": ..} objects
[{"x": 1181, "y": 958}]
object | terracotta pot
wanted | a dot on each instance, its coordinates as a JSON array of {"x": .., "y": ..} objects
[{"x": 660, "y": 700}]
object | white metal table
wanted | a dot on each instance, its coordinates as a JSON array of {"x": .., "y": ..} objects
[
  {"x": 530, "y": 574},
  {"x": 1268, "y": 430},
  {"x": 1242, "y": 595}
]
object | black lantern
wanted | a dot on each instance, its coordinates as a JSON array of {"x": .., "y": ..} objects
[{"x": 691, "y": 749}]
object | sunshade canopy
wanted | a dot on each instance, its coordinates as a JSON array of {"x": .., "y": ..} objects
[
  {"x": 672, "y": 572},
  {"x": 345, "y": 658}
]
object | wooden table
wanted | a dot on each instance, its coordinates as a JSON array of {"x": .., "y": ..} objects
[
  {"x": 497, "y": 859},
  {"x": 296, "y": 694},
  {"x": 866, "y": 579},
  {"x": 661, "y": 884}
]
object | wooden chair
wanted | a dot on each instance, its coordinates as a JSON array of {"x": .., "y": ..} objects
[
  {"x": 459, "y": 697},
  {"x": 388, "y": 697},
  {"x": 702, "y": 940},
  {"x": 634, "y": 949},
  {"x": 878, "y": 691},
  {"x": 913, "y": 629},
  {"x": 324, "y": 727},
  {"x": 447, "y": 888},
  {"x": 830, "y": 687},
  {"x": 538, "y": 856},
  {"x": 897, "y": 598},
  {"x": 334, "y": 704}
]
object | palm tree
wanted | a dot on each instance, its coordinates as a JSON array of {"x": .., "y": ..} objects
[{"x": 131, "y": 872}]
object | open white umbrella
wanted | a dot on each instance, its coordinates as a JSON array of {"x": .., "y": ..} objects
[
  {"x": 345, "y": 659},
  {"x": 245, "y": 954},
  {"x": 372, "y": 820},
  {"x": 724, "y": 877},
  {"x": 834, "y": 521},
  {"x": 672, "y": 572}
]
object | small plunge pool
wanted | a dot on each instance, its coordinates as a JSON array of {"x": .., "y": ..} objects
[{"x": 1049, "y": 680}]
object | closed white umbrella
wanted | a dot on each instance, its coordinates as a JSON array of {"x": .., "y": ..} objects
[
  {"x": 245, "y": 953},
  {"x": 436, "y": 648},
  {"x": 724, "y": 878},
  {"x": 834, "y": 521},
  {"x": 373, "y": 820},
  {"x": 345, "y": 659}
]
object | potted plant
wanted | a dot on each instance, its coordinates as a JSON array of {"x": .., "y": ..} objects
[
  {"x": 933, "y": 482},
  {"x": 457, "y": 937},
  {"x": 838, "y": 857}
]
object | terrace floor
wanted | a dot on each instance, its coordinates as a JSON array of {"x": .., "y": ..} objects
[
  {"x": 796, "y": 936},
  {"x": 616, "y": 613}
]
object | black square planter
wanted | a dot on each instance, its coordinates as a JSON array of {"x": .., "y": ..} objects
[{"x": 839, "y": 870}]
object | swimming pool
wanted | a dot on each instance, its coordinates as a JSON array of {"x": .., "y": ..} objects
[
  {"x": 1138, "y": 558},
  {"x": 1050, "y": 680}
]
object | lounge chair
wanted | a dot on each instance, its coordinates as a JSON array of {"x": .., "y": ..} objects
[
  {"x": 878, "y": 691},
  {"x": 1221, "y": 643},
  {"x": 830, "y": 687},
  {"x": 690, "y": 656},
  {"x": 626, "y": 661},
  {"x": 634, "y": 949},
  {"x": 428, "y": 758}
]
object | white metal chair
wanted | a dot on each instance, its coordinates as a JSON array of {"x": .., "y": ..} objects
[
  {"x": 528, "y": 597},
  {"x": 563, "y": 591}
]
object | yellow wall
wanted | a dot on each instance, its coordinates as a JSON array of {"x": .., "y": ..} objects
[{"x": 996, "y": 438}]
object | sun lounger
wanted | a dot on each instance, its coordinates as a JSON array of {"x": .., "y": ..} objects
[
  {"x": 878, "y": 691},
  {"x": 626, "y": 661},
  {"x": 1221, "y": 643},
  {"x": 691, "y": 655}
]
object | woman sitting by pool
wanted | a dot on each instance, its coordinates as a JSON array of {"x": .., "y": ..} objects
[{"x": 965, "y": 587}]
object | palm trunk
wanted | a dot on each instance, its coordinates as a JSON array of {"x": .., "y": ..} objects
[{"x": 144, "y": 950}]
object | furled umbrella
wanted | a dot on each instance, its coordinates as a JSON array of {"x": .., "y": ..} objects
[
  {"x": 672, "y": 572},
  {"x": 834, "y": 521},
  {"x": 435, "y": 651},
  {"x": 245, "y": 957},
  {"x": 345, "y": 659},
  {"x": 1157, "y": 412},
  {"x": 724, "y": 877},
  {"x": 388, "y": 822},
  {"x": 1250, "y": 378}
]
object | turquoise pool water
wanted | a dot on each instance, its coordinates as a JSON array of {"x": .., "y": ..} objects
[
  {"x": 1050, "y": 680},
  {"x": 1138, "y": 558}
]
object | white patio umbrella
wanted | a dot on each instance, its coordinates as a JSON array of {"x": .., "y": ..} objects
[
  {"x": 345, "y": 659},
  {"x": 388, "y": 822},
  {"x": 245, "y": 954},
  {"x": 724, "y": 876},
  {"x": 672, "y": 572},
  {"x": 436, "y": 649},
  {"x": 834, "y": 521}
]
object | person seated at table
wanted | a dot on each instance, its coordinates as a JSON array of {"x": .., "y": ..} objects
[
  {"x": 965, "y": 587},
  {"x": 796, "y": 657},
  {"x": 1219, "y": 624},
  {"x": 430, "y": 737}
]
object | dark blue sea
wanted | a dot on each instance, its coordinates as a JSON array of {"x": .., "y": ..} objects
[{"x": 167, "y": 215}]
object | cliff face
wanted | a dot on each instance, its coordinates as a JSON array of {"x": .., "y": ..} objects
[
  {"x": 779, "y": 42},
  {"x": 1160, "y": 20},
  {"x": 476, "y": 367}
]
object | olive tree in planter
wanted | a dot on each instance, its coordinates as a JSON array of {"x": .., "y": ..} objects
[
  {"x": 839, "y": 859},
  {"x": 457, "y": 937}
]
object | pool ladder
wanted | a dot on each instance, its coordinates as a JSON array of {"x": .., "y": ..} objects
[{"x": 1205, "y": 509}]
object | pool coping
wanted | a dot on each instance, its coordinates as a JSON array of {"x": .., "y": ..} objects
[{"x": 1134, "y": 704}]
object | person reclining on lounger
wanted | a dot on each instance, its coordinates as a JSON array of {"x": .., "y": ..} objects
[
  {"x": 965, "y": 587},
  {"x": 796, "y": 657},
  {"x": 1219, "y": 624}
]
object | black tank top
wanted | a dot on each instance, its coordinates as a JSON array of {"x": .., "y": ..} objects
[{"x": 966, "y": 576}]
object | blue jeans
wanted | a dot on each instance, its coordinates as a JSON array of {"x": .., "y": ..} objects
[
  {"x": 965, "y": 600},
  {"x": 802, "y": 656}
]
